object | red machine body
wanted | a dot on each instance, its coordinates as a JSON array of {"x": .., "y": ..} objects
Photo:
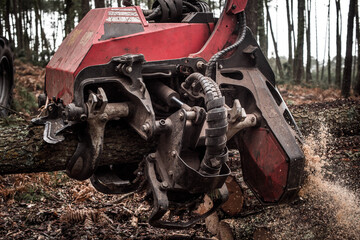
[{"x": 85, "y": 45}]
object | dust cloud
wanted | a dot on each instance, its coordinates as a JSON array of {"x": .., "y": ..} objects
[{"x": 339, "y": 206}]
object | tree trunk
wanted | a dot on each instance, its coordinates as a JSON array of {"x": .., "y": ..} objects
[
  {"x": 278, "y": 63},
  {"x": 345, "y": 90},
  {"x": 85, "y": 8},
  {"x": 99, "y": 3},
  {"x": 18, "y": 24},
  {"x": 299, "y": 53},
  {"x": 308, "y": 43},
  {"x": 329, "y": 57},
  {"x": 69, "y": 13},
  {"x": 317, "y": 46},
  {"x": 1, "y": 24},
  {"x": 357, "y": 80},
  {"x": 251, "y": 16},
  {"x": 36, "y": 44},
  {"x": 290, "y": 30},
  {"x": 23, "y": 150},
  {"x": 7, "y": 20},
  {"x": 338, "y": 45},
  {"x": 261, "y": 27}
]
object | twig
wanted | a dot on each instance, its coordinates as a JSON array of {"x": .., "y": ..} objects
[
  {"x": 15, "y": 112},
  {"x": 124, "y": 196}
]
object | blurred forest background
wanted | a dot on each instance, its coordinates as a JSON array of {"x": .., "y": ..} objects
[{"x": 37, "y": 27}]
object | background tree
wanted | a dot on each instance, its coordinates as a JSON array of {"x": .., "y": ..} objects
[
  {"x": 99, "y": 3},
  {"x": 70, "y": 15},
  {"x": 261, "y": 26},
  {"x": 290, "y": 34},
  {"x": 357, "y": 80},
  {"x": 345, "y": 89},
  {"x": 308, "y": 42},
  {"x": 299, "y": 53},
  {"x": 85, "y": 8},
  {"x": 278, "y": 62},
  {"x": 251, "y": 16},
  {"x": 338, "y": 44}
]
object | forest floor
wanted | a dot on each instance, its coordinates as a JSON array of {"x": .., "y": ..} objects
[{"x": 52, "y": 206}]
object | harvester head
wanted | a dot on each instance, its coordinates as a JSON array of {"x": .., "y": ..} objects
[{"x": 194, "y": 85}]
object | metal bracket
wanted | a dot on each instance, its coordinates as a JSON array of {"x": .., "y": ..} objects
[
  {"x": 54, "y": 124},
  {"x": 161, "y": 201},
  {"x": 84, "y": 162}
]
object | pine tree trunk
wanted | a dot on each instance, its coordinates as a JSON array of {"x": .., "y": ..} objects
[
  {"x": 357, "y": 80},
  {"x": 261, "y": 27},
  {"x": 85, "y": 8},
  {"x": 290, "y": 30},
  {"x": 299, "y": 53},
  {"x": 338, "y": 45},
  {"x": 251, "y": 16},
  {"x": 7, "y": 20},
  {"x": 308, "y": 43},
  {"x": 36, "y": 44},
  {"x": 329, "y": 57},
  {"x": 99, "y": 3},
  {"x": 278, "y": 62},
  {"x": 17, "y": 15},
  {"x": 345, "y": 90},
  {"x": 69, "y": 13}
]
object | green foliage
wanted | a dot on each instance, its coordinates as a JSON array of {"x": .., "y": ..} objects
[
  {"x": 25, "y": 101},
  {"x": 32, "y": 193}
]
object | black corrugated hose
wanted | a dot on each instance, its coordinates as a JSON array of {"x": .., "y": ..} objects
[
  {"x": 212, "y": 62},
  {"x": 216, "y": 153}
]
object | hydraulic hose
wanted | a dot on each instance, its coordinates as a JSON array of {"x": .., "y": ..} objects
[
  {"x": 215, "y": 134},
  {"x": 154, "y": 13},
  {"x": 212, "y": 62}
]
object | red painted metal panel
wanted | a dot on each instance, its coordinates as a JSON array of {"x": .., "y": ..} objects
[
  {"x": 160, "y": 41},
  {"x": 83, "y": 47},
  {"x": 264, "y": 164}
]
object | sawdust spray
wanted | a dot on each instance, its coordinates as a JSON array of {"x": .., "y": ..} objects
[{"x": 340, "y": 204}]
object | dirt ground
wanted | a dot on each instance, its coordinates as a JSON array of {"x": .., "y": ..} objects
[{"x": 52, "y": 206}]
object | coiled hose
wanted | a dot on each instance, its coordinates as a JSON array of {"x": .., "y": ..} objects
[
  {"x": 215, "y": 135},
  {"x": 212, "y": 62}
]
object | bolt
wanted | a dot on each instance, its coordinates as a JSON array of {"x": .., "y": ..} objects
[
  {"x": 128, "y": 69},
  {"x": 171, "y": 173},
  {"x": 200, "y": 64},
  {"x": 181, "y": 116},
  {"x": 145, "y": 128},
  {"x": 162, "y": 122},
  {"x": 164, "y": 185},
  {"x": 220, "y": 66},
  {"x": 83, "y": 117},
  {"x": 173, "y": 153},
  {"x": 50, "y": 108}
]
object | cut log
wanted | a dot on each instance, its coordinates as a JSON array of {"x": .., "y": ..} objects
[{"x": 23, "y": 150}]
